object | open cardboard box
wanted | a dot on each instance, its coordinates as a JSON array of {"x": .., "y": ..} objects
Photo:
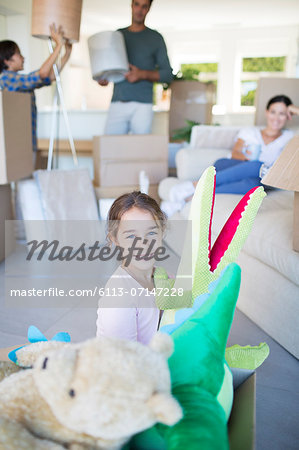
[
  {"x": 192, "y": 100},
  {"x": 116, "y": 191},
  {"x": 241, "y": 425},
  {"x": 6, "y": 213},
  {"x": 16, "y": 155},
  {"x": 118, "y": 160},
  {"x": 284, "y": 175},
  {"x": 270, "y": 87}
]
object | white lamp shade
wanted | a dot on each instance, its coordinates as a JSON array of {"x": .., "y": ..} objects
[
  {"x": 66, "y": 13},
  {"x": 108, "y": 56}
]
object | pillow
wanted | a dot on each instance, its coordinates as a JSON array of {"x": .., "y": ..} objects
[{"x": 213, "y": 136}]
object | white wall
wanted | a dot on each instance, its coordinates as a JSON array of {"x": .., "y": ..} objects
[
  {"x": 3, "y": 32},
  {"x": 86, "y": 124}
]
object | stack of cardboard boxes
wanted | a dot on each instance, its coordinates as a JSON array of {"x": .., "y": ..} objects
[
  {"x": 190, "y": 100},
  {"x": 118, "y": 161}
]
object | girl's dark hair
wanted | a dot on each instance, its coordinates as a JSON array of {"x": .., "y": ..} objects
[
  {"x": 7, "y": 50},
  {"x": 279, "y": 98},
  {"x": 131, "y": 200}
]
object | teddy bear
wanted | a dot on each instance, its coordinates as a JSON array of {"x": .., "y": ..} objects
[{"x": 91, "y": 395}]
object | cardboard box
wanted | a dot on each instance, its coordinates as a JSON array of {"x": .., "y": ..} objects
[
  {"x": 118, "y": 160},
  {"x": 5, "y": 214},
  {"x": 241, "y": 424},
  {"x": 116, "y": 191},
  {"x": 284, "y": 174},
  {"x": 4, "y": 352},
  {"x": 190, "y": 100},
  {"x": 296, "y": 222},
  {"x": 16, "y": 155},
  {"x": 270, "y": 87}
]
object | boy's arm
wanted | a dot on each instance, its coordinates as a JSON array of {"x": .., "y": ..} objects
[
  {"x": 67, "y": 54},
  {"x": 46, "y": 69}
]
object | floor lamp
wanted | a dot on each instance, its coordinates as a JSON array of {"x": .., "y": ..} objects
[{"x": 66, "y": 13}]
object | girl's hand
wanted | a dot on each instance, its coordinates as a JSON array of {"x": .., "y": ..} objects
[{"x": 57, "y": 34}]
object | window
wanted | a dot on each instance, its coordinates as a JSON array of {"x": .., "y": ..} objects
[
  {"x": 204, "y": 72},
  {"x": 253, "y": 69}
]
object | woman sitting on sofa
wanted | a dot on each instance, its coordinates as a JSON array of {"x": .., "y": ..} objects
[{"x": 254, "y": 152}]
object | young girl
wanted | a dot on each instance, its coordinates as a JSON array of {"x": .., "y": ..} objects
[
  {"x": 12, "y": 61},
  {"x": 127, "y": 310}
]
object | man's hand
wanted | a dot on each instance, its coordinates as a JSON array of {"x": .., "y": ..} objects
[
  {"x": 103, "y": 82},
  {"x": 134, "y": 74}
]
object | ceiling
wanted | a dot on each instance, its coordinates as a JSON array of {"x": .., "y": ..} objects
[{"x": 176, "y": 15}]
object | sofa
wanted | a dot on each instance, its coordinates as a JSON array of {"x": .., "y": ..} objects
[{"x": 269, "y": 293}]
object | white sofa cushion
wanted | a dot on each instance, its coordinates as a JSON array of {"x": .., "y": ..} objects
[
  {"x": 271, "y": 301},
  {"x": 213, "y": 136},
  {"x": 191, "y": 163},
  {"x": 207, "y": 144},
  {"x": 270, "y": 240}
]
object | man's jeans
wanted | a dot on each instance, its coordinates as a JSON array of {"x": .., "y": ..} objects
[{"x": 129, "y": 117}]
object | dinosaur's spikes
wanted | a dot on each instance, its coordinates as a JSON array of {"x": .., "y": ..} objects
[
  {"x": 234, "y": 233},
  {"x": 201, "y": 214},
  {"x": 35, "y": 335},
  {"x": 207, "y": 328},
  {"x": 208, "y": 264}
]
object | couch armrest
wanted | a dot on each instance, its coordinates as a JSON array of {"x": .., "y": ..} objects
[{"x": 191, "y": 162}]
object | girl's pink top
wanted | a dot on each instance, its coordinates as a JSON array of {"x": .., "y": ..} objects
[{"x": 126, "y": 310}]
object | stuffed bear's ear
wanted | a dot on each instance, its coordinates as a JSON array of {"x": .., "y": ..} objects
[
  {"x": 162, "y": 343},
  {"x": 165, "y": 408}
]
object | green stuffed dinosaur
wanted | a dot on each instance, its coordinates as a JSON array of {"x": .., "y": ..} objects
[{"x": 201, "y": 379}]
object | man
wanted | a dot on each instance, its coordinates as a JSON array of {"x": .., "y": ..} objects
[{"x": 131, "y": 105}]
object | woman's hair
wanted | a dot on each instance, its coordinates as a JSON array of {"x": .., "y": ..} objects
[
  {"x": 7, "y": 50},
  {"x": 279, "y": 98},
  {"x": 131, "y": 200}
]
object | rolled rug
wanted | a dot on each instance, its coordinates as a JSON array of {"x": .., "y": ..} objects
[{"x": 108, "y": 56}]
